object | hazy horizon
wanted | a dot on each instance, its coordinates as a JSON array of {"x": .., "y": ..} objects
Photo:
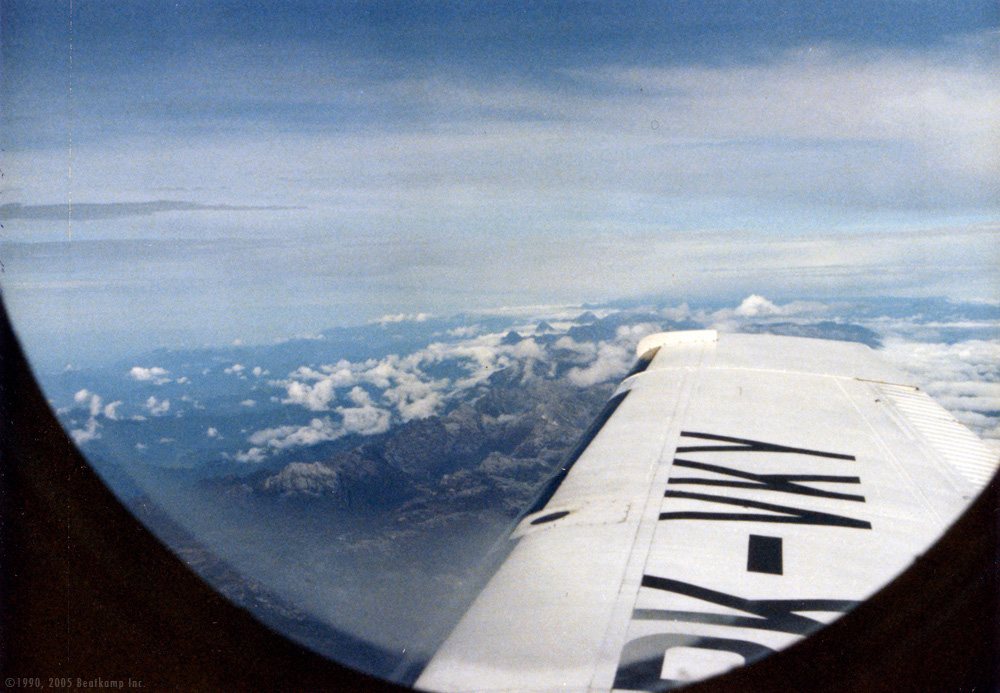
[{"x": 191, "y": 173}]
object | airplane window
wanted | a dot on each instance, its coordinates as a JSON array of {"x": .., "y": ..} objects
[{"x": 329, "y": 293}]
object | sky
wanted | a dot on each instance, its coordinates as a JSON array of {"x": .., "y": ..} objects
[{"x": 187, "y": 172}]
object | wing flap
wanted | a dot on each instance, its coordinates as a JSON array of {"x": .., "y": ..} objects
[{"x": 952, "y": 441}]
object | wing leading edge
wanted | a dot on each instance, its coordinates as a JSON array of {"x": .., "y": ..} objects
[{"x": 740, "y": 492}]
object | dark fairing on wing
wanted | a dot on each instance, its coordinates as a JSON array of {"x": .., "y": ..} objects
[
  {"x": 553, "y": 485},
  {"x": 588, "y": 436},
  {"x": 643, "y": 363}
]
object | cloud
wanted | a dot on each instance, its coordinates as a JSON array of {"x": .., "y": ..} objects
[
  {"x": 421, "y": 408},
  {"x": 87, "y": 433},
  {"x": 329, "y": 379},
  {"x": 755, "y": 306},
  {"x": 465, "y": 331},
  {"x": 527, "y": 349},
  {"x": 402, "y": 381},
  {"x": 111, "y": 410},
  {"x": 612, "y": 362},
  {"x": 963, "y": 377},
  {"x": 267, "y": 436},
  {"x": 251, "y": 456},
  {"x": 405, "y": 317},
  {"x": 832, "y": 109},
  {"x": 414, "y": 398},
  {"x": 307, "y": 373},
  {"x": 95, "y": 407},
  {"x": 313, "y": 397},
  {"x": 83, "y": 211},
  {"x": 157, "y": 407},
  {"x": 281, "y": 437},
  {"x": 587, "y": 349},
  {"x": 366, "y": 418},
  {"x": 974, "y": 360},
  {"x": 481, "y": 355},
  {"x": 756, "y": 309},
  {"x": 630, "y": 335},
  {"x": 155, "y": 374},
  {"x": 677, "y": 313},
  {"x": 90, "y": 400},
  {"x": 360, "y": 397}
]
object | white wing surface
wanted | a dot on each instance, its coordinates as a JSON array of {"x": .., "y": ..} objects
[{"x": 739, "y": 492}]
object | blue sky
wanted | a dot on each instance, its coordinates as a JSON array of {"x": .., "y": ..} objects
[{"x": 200, "y": 172}]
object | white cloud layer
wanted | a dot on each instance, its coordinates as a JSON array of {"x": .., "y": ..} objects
[{"x": 963, "y": 377}]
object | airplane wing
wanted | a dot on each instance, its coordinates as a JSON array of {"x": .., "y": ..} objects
[{"x": 738, "y": 493}]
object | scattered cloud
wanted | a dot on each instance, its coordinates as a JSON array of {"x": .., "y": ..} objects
[
  {"x": 405, "y": 317},
  {"x": 325, "y": 402},
  {"x": 111, "y": 410},
  {"x": 251, "y": 456},
  {"x": 154, "y": 374},
  {"x": 313, "y": 397},
  {"x": 281, "y": 437},
  {"x": 318, "y": 395},
  {"x": 95, "y": 407},
  {"x": 87, "y": 433},
  {"x": 157, "y": 407},
  {"x": 90, "y": 400}
]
